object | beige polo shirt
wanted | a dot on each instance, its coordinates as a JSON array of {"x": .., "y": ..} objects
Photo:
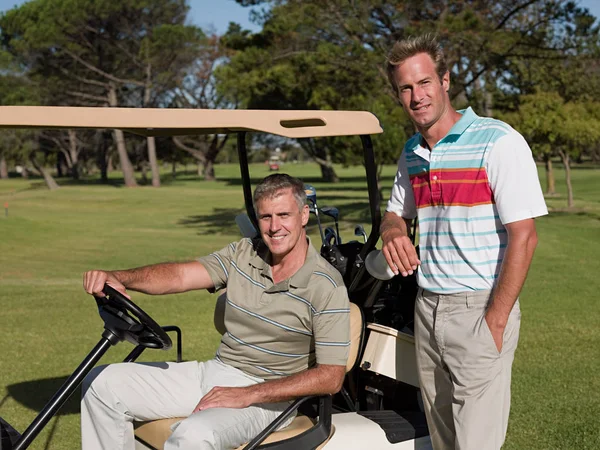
[{"x": 278, "y": 330}]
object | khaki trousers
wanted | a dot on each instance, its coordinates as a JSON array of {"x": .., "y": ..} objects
[
  {"x": 116, "y": 395},
  {"x": 465, "y": 381}
]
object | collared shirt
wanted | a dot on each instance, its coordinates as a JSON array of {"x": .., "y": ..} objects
[
  {"x": 475, "y": 180},
  {"x": 276, "y": 330}
]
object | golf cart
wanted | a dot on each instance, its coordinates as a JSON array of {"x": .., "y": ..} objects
[{"x": 379, "y": 406}]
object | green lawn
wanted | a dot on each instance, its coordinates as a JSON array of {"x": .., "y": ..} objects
[{"x": 48, "y": 324}]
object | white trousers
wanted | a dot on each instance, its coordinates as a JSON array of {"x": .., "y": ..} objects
[
  {"x": 465, "y": 381},
  {"x": 115, "y": 396}
]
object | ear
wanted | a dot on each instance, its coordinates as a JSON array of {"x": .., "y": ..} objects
[
  {"x": 446, "y": 81},
  {"x": 305, "y": 214}
]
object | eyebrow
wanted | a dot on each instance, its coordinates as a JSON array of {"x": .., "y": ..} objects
[
  {"x": 260, "y": 216},
  {"x": 418, "y": 82}
]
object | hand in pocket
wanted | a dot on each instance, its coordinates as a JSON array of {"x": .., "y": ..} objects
[{"x": 497, "y": 332}]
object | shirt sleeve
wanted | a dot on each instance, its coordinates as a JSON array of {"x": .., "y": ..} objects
[
  {"x": 331, "y": 328},
  {"x": 402, "y": 198},
  {"x": 513, "y": 178},
  {"x": 218, "y": 265}
]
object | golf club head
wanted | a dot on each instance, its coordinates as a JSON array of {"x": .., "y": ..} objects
[
  {"x": 360, "y": 231},
  {"x": 331, "y": 211},
  {"x": 329, "y": 236},
  {"x": 311, "y": 194}
]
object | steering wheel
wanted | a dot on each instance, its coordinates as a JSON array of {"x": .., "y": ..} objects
[{"x": 129, "y": 322}]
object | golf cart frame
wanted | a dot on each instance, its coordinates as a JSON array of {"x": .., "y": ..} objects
[{"x": 387, "y": 354}]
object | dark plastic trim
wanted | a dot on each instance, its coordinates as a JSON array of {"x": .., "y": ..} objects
[
  {"x": 137, "y": 351},
  {"x": 246, "y": 184},
  {"x": 309, "y": 439}
]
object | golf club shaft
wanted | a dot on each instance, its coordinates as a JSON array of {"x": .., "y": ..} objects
[{"x": 319, "y": 224}]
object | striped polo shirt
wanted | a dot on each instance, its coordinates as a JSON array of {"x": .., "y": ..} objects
[
  {"x": 276, "y": 330},
  {"x": 475, "y": 180}
]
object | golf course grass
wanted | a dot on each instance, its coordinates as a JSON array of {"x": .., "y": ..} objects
[{"x": 48, "y": 324}]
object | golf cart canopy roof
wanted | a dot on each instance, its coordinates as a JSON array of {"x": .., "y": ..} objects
[{"x": 174, "y": 122}]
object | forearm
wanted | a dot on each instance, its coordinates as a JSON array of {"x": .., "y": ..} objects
[
  {"x": 515, "y": 265},
  {"x": 320, "y": 380},
  {"x": 164, "y": 278},
  {"x": 392, "y": 222}
]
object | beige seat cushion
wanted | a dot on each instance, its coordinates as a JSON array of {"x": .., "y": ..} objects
[{"x": 155, "y": 433}]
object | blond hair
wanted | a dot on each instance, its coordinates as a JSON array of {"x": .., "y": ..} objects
[{"x": 411, "y": 46}]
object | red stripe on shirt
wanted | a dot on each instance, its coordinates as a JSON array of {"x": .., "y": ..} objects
[{"x": 452, "y": 187}]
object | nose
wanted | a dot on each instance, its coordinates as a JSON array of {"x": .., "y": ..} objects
[
  {"x": 275, "y": 224},
  {"x": 417, "y": 95}
]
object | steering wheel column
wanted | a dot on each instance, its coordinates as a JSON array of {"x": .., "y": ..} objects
[{"x": 123, "y": 320}]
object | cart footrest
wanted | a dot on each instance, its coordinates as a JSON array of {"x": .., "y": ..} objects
[{"x": 399, "y": 427}]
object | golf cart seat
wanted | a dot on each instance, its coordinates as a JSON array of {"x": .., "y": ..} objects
[{"x": 153, "y": 434}]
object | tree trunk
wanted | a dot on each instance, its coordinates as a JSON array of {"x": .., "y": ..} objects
[
  {"x": 566, "y": 162},
  {"x": 143, "y": 168},
  {"x": 322, "y": 158},
  {"x": 209, "y": 170},
  {"x": 101, "y": 147},
  {"x": 126, "y": 167},
  {"x": 328, "y": 173},
  {"x": 3, "y": 168},
  {"x": 550, "y": 184},
  {"x": 153, "y": 161},
  {"x": 150, "y": 140},
  {"x": 200, "y": 170},
  {"x": 74, "y": 155},
  {"x": 50, "y": 182},
  {"x": 25, "y": 173}
]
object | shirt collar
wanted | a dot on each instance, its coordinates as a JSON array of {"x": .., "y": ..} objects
[
  {"x": 262, "y": 258},
  {"x": 468, "y": 117},
  {"x": 302, "y": 276}
]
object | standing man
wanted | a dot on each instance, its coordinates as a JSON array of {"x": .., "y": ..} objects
[
  {"x": 287, "y": 321},
  {"x": 473, "y": 184}
]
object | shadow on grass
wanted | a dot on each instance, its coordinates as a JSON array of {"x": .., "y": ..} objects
[
  {"x": 573, "y": 212},
  {"x": 35, "y": 394},
  {"x": 237, "y": 181},
  {"x": 222, "y": 220}
]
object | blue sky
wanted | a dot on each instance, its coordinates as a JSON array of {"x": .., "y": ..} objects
[{"x": 219, "y": 13}]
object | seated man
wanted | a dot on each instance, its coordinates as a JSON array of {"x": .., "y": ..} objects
[{"x": 287, "y": 320}]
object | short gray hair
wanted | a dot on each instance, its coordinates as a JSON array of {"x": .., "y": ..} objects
[
  {"x": 271, "y": 185},
  {"x": 411, "y": 46}
]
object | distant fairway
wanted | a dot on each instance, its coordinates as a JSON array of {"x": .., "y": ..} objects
[{"x": 48, "y": 323}]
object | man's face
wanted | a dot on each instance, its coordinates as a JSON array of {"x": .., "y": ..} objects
[
  {"x": 423, "y": 97},
  {"x": 281, "y": 222}
]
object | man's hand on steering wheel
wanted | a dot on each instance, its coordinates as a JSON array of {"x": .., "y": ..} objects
[
  {"x": 399, "y": 252},
  {"x": 94, "y": 280}
]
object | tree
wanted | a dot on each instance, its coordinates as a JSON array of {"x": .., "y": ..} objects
[
  {"x": 552, "y": 125},
  {"x": 101, "y": 52},
  {"x": 330, "y": 55},
  {"x": 19, "y": 146},
  {"x": 198, "y": 90},
  {"x": 278, "y": 69}
]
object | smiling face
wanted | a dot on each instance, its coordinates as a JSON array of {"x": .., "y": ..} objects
[
  {"x": 281, "y": 223},
  {"x": 423, "y": 95}
]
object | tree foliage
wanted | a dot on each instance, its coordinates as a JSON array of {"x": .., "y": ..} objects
[
  {"x": 550, "y": 124},
  {"x": 105, "y": 53}
]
